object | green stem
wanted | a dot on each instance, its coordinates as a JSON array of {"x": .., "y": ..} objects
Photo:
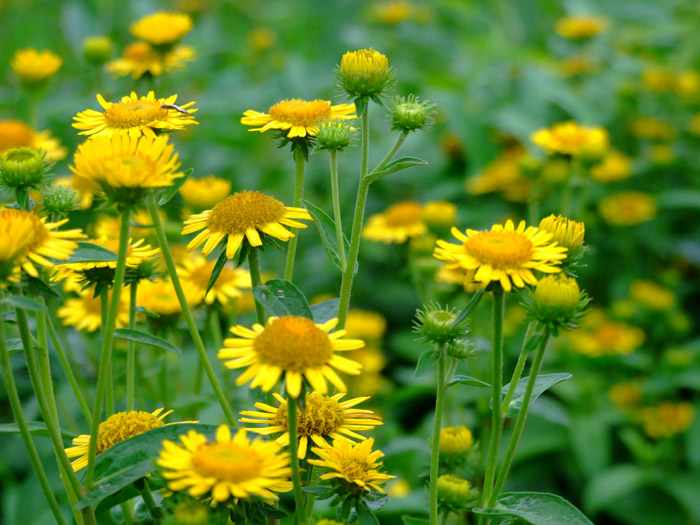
[
  {"x": 533, "y": 204},
  {"x": 107, "y": 344},
  {"x": 497, "y": 385},
  {"x": 187, "y": 313},
  {"x": 390, "y": 155},
  {"x": 445, "y": 514},
  {"x": 145, "y": 491},
  {"x": 300, "y": 513},
  {"x": 18, "y": 412},
  {"x": 314, "y": 476},
  {"x": 300, "y": 164},
  {"x": 68, "y": 370},
  {"x": 520, "y": 421},
  {"x": 104, "y": 304},
  {"x": 437, "y": 423},
  {"x": 335, "y": 194},
  {"x": 131, "y": 351},
  {"x": 256, "y": 280},
  {"x": 518, "y": 371}
]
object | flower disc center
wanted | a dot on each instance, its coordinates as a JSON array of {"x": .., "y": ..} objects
[
  {"x": 298, "y": 112},
  {"x": 124, "y": 425},
  {"x": 226, "y": 461},
  {"x": 243, "y": 211},
  {"x": 133, "y": 114},
  {"x": 403, "y": 214},
  {"x": 293, "y": 344},
  {"x": 499, "y": 249},
  {"x": 322, "y": 416}
]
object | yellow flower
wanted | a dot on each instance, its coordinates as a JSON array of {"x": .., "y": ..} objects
[
  {"x": 115, "y": 429},
  {"x": 25, "y": 239},
  {"x": 136, "y": 253},
  {"x": 16, "y": 134},
  {"x": 693, "y": 127},
  {"x": 453, "y": 492},
  {"x": 455, "y": 441},
  {"x": 323, "y": 417},
  {"x": 578, "y": 64},
  {"x": 502, "y": 174},
  {"x": 364, "y": 73},
  {"x": 666, "y": 419},
  {"x": 355, "y": 463},
  {"x": 97, "y": 49},
  {"x": 503, "y": 254},
  {"x": 195, "y": 273},
  {"x": 439, "y": 213},
  {"x": 652, "y": 295},
  {"x": 300, "y": 117},
  {"x": 599, "y": 336},
  {"x": 121, "y": 161},
  {"x": 398, "y": 489},
  {"x": 365, "y": 325},
  {"x": 627, "y": 208},
  {"x": 162, "y": 28},
  {"x": 651, "y": 128},
  {"x": 293, "y": 346},
  {"x": 580, "y": 26},
  {"x": 564, "y": 231},
  {"x": 625, "y": 395},
  {"x": 570, "y": 138},
  {"x": 687, "y": 83},
  {"x": 135, "y": 116},
  {"x": 392, "y": 13},
  {"x": 661, "y": 154},
  {"x": 34, "y": 67},
  {"x": 397, "y": 224},
  {"x": 232, "y": 467},
  {"x": 140, "y": 58},
  {"x": 205, "y": 192},
  {"x": 262, "y": 38},
  {"x": 85, "y": 312},
  {"x": 159, "y": 297},
  {"x": 659, "y": 80},
  {"x": 613, "y": 167},
  {"x": 556, "y": 300},
  {"x": 244, "y": 214}
]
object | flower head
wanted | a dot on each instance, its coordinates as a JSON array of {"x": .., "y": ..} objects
[
  {"x": 355, "y": 465},
  {"x": 162, "y": 29},
  {"x": 564, "y": 231},
  {"x": 410, "y": 114},
  {"x": 455, "y": 441},
  {"x": 558, "y": 301},
  {"x": 365, "y": 325},
  {"x": 195, "y": 273},
  {"x": 397, "y": 224},
  {"x": 297, "y": 117},
  {"x": 135, "y": 116},
  {"x": 85, "y": 311},
  {"x": 364, "y": 73},
  {"x": 34, "y": 67},
  {"x": 627, "y": 208},
  {"x": 322, "y": 417},
  {"x": 232, "y": 467},
  {"x": 453, "y": 492},
  {"x": 439, "y": 214},
  {"x": 115, "y": 429},
  {"x": 581, "y": 26},
  {"x": 614, "y": 167},
  {"x": 599, "y": 336},
  {"x": 294, "y": 346},
  {"x": 16, "y": 134},
  {"x": 140, "y": 59},
  {"x": 504, "y": 254},
  {"x": 58, "y": 200},
  {"x": 244, "y": 214},
  {"x": 335, "y": 134},
  {"x": 652, "y": 295},
  {"x": 159, "y": 297},
  {"x": 666, "y": 419},
  {"x": 23, "y": 168},
  {"x": 97, "y": 49},
  {"x": 570, "y": 138},
  {"x": 204, "y": 192}
]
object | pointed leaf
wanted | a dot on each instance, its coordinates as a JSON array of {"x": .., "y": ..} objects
[
  {"x": 612, "y": 485},
  {"x": 88, "y": 252},
  {"x": 365, "y": 516},
  {"x": 220, "y": 263},
  {"x": 535, "y": 508},
  {"x": 425, "y": 362},
  {"x": 24, "y": 303},
  {"x": 410, "y": 520},
  {"x": 329, "y": 239},
  {"x": 169, "y": 192},
  {"x": 542, "y": 384},
  {"x": 360, "y": 105},
  {"x": 396, "y": 165},
  {"x": 468, "y": 380},
  {"x": 147, "y": 339},
  {"x": 280, "y": 297},
  {"x": 476, "y": 298},
  {"x": 325, "y": 310},
  {"x": 38, "y": 429}
]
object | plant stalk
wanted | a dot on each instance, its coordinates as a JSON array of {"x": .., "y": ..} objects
[
  {"x": 300, "y": 512},
  {"x": 256, "y": 280},
  {"x": 300, "y": 165},
  {"x": 335, "y": 193},
  {"x": 435, "y": 452},
  {"x": 131, "y": 351}
]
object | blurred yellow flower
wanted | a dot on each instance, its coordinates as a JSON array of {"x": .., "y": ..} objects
[
  {"x": 625, "y": 395},
  {"x": 687, "y": 83},
  {"x": 599, "y": 336},
  {"x": 262, "y": 38},
  {"x": 365, "y": 325},
  {"x": 661, "y": 154},
  {"x": 564, "y": 231},
  {"x": 659, "y": 80},
  {"x": 139, "y": 58},
  {"x": 195, "y": 272},
  {"x": 297, "y": 117},
  {"x": 85, "y": 311},
  {"x": 502, "y": 174},
  {"x": 398, "y": 489},
  {"x": 205, "y": 192},
  {"x": 570, "y": 138},
  {"x": 439, "y": 214},
  {"x": 391, "y": 12},
  {"x": 627, "y": 208},
  {"x": 651, "y": 128},
  {"x": 162, "y": 29},
  {"x": 16, "y": 134},
  {"x": 35, "y": 67},
  {"x": 666, "y": 419},
  {"x": 652, "y": 295},
  {"x": 159, "y": 297},
  {"x": 613, "y": 167},
  {"x": 578, "y": 27},
  {"x": 397, "y": 224},
  {"x": 575, "y": 65}
]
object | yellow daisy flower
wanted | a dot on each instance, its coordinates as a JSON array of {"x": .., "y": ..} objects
[
  {"x": 294, "y": 346},
  {"x": 16, "y": 134},
  {"x": 365, "y": 325},
  {"x": 115, "y": 429},
  {"x": 613, "y": 167},
  {"x": 205, "y": 192},
  {"x": 627, "y": 208},
  {"x": 136, "y": 253},
  {"x": 355, "y": 463},
  {"x": 580, "y": 26},
  {"x": 34, "y": 67},
  {"x": 651, "y": 295},
  {"x": 323, "y": 417},
  {"x": 230, "y": 467},
  {"x": 140, "y": 58},
  {"x": 25, "y": 239},
  {"x": 666, "y": 419},
  {"x": 299, "y": 116},
  {"x": 600, "y": 336},
  {"x": 85, "y": 312},
  {"x": 121, "y": 161},
  {"x": 570, "y": 138},
  {"x": 397, "y": 224},
  {"x": 503, "y": 254},
  {"x": 243, "y": 214},
  {"x": 159, "y": 297},
  {"x": 195, "y": 273},
  {"x": 162, "y": 28},
  {"x": 135, "y": 116}
]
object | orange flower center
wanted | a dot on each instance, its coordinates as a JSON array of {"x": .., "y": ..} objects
[
  {"x": 245, "y": 210},
  {"x": 134, "y": 114},
  {"x": 294, "y": 344},
  {"x": 298, "y": 112},
  {"x": 138, "y": 51},
  {"x": 321, "y": 416},
  {"x": 226, "y": 461},
  {"x": 124, "y": 425},
  {"x": 403, "y": 214},
  {"x": 499, "y": 249},
  {"x": 14, "y": 134}
]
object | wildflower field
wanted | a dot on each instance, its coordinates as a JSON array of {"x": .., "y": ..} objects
[{"x": 400, "y": 262}]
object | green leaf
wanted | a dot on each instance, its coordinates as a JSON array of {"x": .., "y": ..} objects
[
  {"x": 410, "y": 520},
  {"x": 220, "y": 263},
  {"x": 365, "y": 516},
  {"x": 325, "y": 310},
  {"x": 396, "y": 165},
  {"x": 476, "y": 298},
  {"x": 468, "y": 380},
  {"x": 533, "y": 342},
  {"x": 280, "y": 297},
  {"x": 120, "y": 466},
  {"x": 542, "y": 384},
  {"x": 142, "y": 309},
  {"x": 425, "y": 362},
  {"x": 684, "y": 488},
  {"x": 360, "y": 105},
  {"x": 88, "y": 252},
  {"x": 377, "y": 503},
  {"x": 38, "y": 429},
  {"x": 319, "y": 489},
  {"x": 612, "y": 485},
  {"x": 24, "y": 303},
  {"x": 147, "y": 339},
  {"x": 329, "y": 239},
  {"x": 589, "y": 435},
  {"x": 169, "y": 191},
  {"x": 678, "y": 199},
  {"x": 535, "y": 508}
]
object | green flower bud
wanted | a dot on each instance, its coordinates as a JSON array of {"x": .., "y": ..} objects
[
  {"x": 453, "y": 492},
  {"x": 335, "y": 135},
  {"x": 58, "y": 201},
  {"x": 409, "y": 114},
  {"x": 97, "y": 49},
  {"x": 557, "y": 301},
  {"x": 191, "y": 513},
  {"x": 364, "y": 73},
  {"x": 22, "y": 168},
  {"x": 455, "y": 445},
  {"x": 435, "y": 325}
]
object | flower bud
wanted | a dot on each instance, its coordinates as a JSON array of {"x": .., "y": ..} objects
[
  {"x": 409, "y": 114},
  {"x": 453, "y": 492},
  {"x": 364, "y": 73},
  {"x": 564, "y": 231},
  {"x": 97, "y": 49},
  {"x": 191, "y": 513},
  {"x": 34, "y": 67},
  {"x": 59, "y": 200},
  {"x": 455, "y": 444},
  {"x": 435, "y": 325},
  {"x": 556, "y": 299},
  {"x": 335, "y": 135},
  {"x": 22, "y": 168}
]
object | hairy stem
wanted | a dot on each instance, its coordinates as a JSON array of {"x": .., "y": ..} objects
[
  {"x": 300, "y": 512},
  {"x": 300, "y": 165},
  {"x": 437, "y": 423},
  {"x": 335, "y": 194}
]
